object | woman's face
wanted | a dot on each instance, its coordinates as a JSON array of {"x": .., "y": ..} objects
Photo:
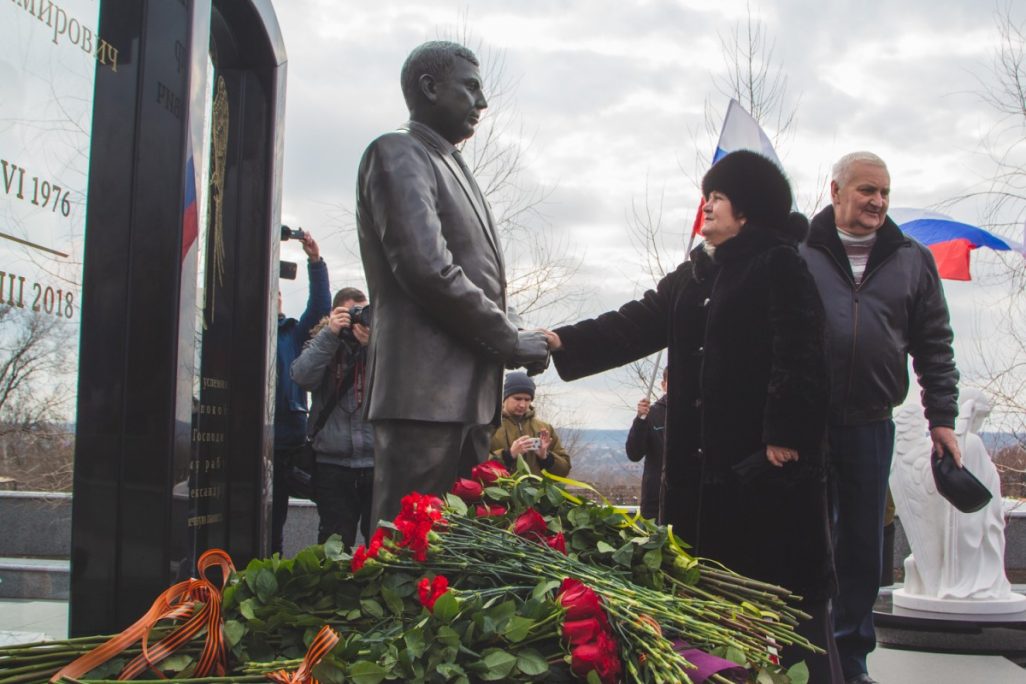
[{"x": 721, "y": 223}]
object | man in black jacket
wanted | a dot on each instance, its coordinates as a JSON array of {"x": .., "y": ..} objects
[
  {"x": 646, "y": 440},
  {"x": 884, "y": 302},
  {"x": 436, "y": 276}
]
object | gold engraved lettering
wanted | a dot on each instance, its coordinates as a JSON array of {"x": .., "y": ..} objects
[{"x": 200, "y": 520}]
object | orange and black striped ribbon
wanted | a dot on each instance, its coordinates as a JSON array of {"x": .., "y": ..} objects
[
  {"x": 179, "y": 602},
  {"x": 320, "y": 646}
]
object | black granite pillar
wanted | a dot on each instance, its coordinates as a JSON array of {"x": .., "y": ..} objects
[{"x": 146, "y": 500}]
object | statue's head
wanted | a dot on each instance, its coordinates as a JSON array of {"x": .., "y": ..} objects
[
  {"x": 974, "y": 406},
  {"x": 441, "y": 83}
]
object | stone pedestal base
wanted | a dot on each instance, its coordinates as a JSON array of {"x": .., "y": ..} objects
[
  {"x": 1014, "y": 604},
  {"x": 923, "y": 630}
]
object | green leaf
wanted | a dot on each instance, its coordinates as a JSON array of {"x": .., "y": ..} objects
[
  {"x": 653, "y": 559},
  {"x": 518, "y": 628},
  {"x": 307, "y": 561},
  {"x": 392, "y": 600},
  {"x": 447, "y": 635},
  {"x": 798, "y": 673},
  {"x": 531, "y": 663},
  {"x": 495, "y": 665},
  {"x": 456, "y": 503},
  {"x": 451, "y": 672},
  {"x": 554, "y": 497},
  {"x": 176, "y": 663},
  {"x": 228, "y": 597},
  {"x": 233, "y": 632},
  {"x": 415, "y": 644},
  {"x": 246, "y": 608},
  {"x": 735, "y": 655},
  {"x": 579, "y": 517},
  {"x": 543, "y": 588},
  {"x": 266, "y": 585},
  {"x": 624, "y": 555},
  {"x": 372, "y": 608},
  {"x": 593, "y": 677},
  {"x": 366, "y": 672},
  {"x": 334, "y": 549},
  {"x": 496, "y": 493},
  {"x": 446, "y": 607},
  {"x": 603, "y": 547}
]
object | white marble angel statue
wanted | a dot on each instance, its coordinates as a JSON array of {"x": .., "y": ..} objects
[{"x": 957, "y": 561}]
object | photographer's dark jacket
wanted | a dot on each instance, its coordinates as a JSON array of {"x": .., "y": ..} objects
[
  {"x": 327, "y": 362},
  {"x": 435, "y": 273},
  {"x": 897, "y": 310},
  {"x": 290, "y": 400},
  {"x": 646, "y": 440},
  {"x": 744, "y": 334}
]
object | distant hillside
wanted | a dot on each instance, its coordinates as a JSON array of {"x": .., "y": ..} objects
[{"x": 600, "y": 459}]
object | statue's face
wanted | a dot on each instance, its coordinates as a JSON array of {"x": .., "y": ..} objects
[{"x": 458, "y": 101}]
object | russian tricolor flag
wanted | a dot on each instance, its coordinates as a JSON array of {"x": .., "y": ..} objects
[
  {"x": 949, "y": 240},
  {"x": 740, "y": 132},
  {"x": 190, "y": 213}
]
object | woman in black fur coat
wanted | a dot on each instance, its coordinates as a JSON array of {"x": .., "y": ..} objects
[{"x": 744, "y": 476}]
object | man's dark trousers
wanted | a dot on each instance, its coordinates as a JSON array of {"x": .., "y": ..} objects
[
  {"x": 343, "y": 502},
  {"x": 861, "y": 460},
  {"x": 280, "y": 497}
]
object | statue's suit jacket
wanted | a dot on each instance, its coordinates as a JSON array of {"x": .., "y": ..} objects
[{"x": 437, "y": 284}]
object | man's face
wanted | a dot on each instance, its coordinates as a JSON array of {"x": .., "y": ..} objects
[
  {"x": 860, "y": 205},
  {"x": 459, "y": 102},
  {"x": 517, "y": 404}
]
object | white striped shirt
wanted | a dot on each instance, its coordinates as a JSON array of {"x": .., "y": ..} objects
[{"x": 857, "y": 247}]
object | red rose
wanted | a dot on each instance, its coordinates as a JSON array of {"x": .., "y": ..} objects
[
  {"x": 530, "y": 524},
  {"x": 576, "y": 632},
  {"x": 468, "y": 490},
  {"x": 488, "y": 472},
  {"x": 418, "y": 514},
  {"x": 360, "y": 557},
  {"x": 430, "y": 591},
  {"x": 580, "y": 601},
  {"x": 557, "y": 542},
  {"x": 379, "y": 536},
  {"x": 599, "y": 655},
  {"x": 487, "y": 511}
]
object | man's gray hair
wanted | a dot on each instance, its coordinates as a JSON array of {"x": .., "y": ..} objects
[
  {"x": 841, "y": 173},
  {"x": 436, "y": 58}
]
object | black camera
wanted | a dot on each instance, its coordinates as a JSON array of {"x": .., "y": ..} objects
[
  {"x": 289, "y": 234},
  {"x": 357, "y": 314}
]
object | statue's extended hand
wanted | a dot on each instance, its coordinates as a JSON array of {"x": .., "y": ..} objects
[{"x": 531, "y": 350}]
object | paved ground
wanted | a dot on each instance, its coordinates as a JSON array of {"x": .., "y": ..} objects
[{"x": 27, "y": 621}]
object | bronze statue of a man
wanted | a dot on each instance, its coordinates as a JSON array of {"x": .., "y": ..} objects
[{"x": 435, "y": 271}]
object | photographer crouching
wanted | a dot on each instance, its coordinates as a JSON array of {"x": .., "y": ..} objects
[{"x": 332, "y": 369}]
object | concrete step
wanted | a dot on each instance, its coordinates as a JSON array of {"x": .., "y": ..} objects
[{"x": 34, "y": 578}]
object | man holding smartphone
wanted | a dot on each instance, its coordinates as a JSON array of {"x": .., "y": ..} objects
[{"x": 522, "y": 434}]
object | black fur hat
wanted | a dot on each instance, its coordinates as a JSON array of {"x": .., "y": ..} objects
[{"x": 755, "y": 186}]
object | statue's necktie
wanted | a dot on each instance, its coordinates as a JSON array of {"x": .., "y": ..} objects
[{"x": 470, "y": 178}]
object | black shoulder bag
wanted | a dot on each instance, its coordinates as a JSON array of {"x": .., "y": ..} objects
[{"x": 302, "y": 467}]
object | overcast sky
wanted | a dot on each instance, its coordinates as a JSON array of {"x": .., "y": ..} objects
[{"x": 609, "y": 103}]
